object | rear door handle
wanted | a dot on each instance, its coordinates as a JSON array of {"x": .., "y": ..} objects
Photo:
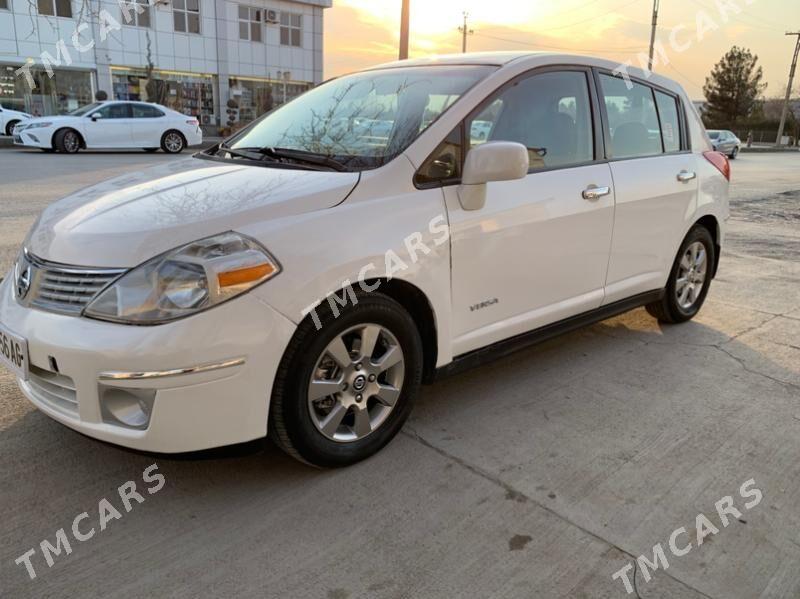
[
  {"x": 686, "y": 176},
  {"x": 593, "y": 192}
]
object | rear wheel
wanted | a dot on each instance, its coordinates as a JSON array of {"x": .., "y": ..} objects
[
  {"x": 734, "y": 153},
  {"x": 173, "y": 142},
  {"x": 689, "y": 279},
  {"x": 10, "y": 127},
  {"x": 67, "y": 141},
  {"x": 344, "y": 391}
]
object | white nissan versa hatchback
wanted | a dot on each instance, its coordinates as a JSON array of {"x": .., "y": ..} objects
[{"x": 303, "y": 278}]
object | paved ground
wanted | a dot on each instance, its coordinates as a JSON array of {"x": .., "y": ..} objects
[{"x": 539, "y": 476}]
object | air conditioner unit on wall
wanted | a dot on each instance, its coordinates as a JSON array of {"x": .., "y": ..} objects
[{"x": 272, "y": 16}]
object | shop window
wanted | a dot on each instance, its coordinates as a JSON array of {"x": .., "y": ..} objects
[
  {"x": 291, "y": 29},
  {"x": 186, "y": 15},
  {"x": 138, "y": 11},
  {"x": 4, "y": 4},
  {"x": 55, "y": 8},
  {"x": 249, "y": 23}
]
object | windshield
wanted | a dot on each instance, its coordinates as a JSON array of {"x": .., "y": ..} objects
[
  {"x": 363, "y": 120},
  {"x": 84, "y": 109},
  {"x": 713, "y": 134}
]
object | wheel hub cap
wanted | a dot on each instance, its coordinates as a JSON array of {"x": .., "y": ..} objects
[
  {"x": 356, "y": 383},
  {"x": 691, "y": 276}
]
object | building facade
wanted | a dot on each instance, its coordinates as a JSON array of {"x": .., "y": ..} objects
[{"x": 194, "y": 56}]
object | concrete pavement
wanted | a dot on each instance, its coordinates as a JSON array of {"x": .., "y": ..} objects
[{"x": 537, "y": 476}]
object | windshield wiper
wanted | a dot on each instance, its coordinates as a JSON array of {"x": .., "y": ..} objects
[{"x": 306, "y": 158}]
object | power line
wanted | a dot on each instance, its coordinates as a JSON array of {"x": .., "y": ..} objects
[{"x": 630, "y": 49}]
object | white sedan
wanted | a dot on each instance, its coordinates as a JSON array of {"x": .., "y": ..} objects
[
  {"x": 112, "y": 125},
  {"x": 9, "y": 119}
]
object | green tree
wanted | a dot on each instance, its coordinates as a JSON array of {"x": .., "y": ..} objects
[{"x": 733, "y": 89}]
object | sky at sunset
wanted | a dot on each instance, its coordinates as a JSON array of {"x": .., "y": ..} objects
[{"x": 359, "y": 33}]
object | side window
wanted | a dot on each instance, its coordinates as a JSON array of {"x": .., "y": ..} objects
[
  {"x": 143, "y": 111},
  {"x": 632, "y": 118},
  {"x": 114, "y": 111},
  {"x": 670, "y": 123},
  {"x": 444, "y": 164},
  {"x": 549, "y": 113}
]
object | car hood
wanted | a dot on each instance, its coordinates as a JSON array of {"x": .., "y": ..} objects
[
  {"x": 16, "y": 113},
  {"x": 56, "y": 120},
  {"x": 126, "y": 220}
]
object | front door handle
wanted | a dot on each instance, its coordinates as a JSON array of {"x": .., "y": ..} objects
[
  {"x": 593, "y": 192},
  {"x": 686, "y": 176}
]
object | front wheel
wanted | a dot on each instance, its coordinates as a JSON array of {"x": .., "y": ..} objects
[
  {"x": 67, "y": 141},
  {"x": 344, "y": 391},
  {"x": 173, "y": 142},
  {"x": 689, "y": 279}
]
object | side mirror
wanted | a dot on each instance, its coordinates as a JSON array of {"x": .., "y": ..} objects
[
  {"x": 96, "y": 115},
  {"x": 492, "y": 161}
]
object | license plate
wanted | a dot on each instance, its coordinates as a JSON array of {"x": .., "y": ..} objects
[{"x": 14, "y": 352}]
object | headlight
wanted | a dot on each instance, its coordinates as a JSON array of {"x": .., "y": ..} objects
[
  {"x": 38, "y": 125},
  {"x": 186, "y": 280}
]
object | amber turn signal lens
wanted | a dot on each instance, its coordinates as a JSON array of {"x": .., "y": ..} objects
[{"x": 245, "y": 275}]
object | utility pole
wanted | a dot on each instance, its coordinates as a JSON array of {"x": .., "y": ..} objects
[
  {"x": 653, "y": 35},
  {"x": 405, "y": 13},
  {"x": 464, "y": 31},
  {"x": 789, "y": 87}
]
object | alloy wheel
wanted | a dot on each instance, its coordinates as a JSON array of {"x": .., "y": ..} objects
[
  {"x": 356, "y": 383},
  {"x": 71, "y": 142},
  {"x": 173, "y": 142},
  {"x": 692, "y": 270}
]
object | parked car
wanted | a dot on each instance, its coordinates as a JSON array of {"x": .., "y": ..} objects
[
  {"x": 301, "y": 282},
  {"x": 726, "y": 142},
  {"x": 103, "y": 125},
  {"x": 9, "y": 119}
]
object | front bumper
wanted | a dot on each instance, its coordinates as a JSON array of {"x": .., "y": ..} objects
[
  {"x": 35, "y": 138},
  {"x": 80, "y": 366}
]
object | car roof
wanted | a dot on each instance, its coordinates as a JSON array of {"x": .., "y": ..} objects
[{"x": 532, "y": 59}]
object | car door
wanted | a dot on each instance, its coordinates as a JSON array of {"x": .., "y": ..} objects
[
  {"x": 537, "y": 252},
  {"x": 148, "y": 125},
  {"x": 655, "y": 178},
  {"x": 109, "y": 126}
]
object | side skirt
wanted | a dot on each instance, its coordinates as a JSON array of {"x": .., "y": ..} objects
[{"x": 512, "y": 344}]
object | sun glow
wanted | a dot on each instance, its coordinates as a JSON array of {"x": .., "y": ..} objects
[{"x": 440, "y": 17}]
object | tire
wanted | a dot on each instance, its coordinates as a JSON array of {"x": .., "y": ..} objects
[
  {"x": 734, "y": 153},
  {"x": 296, "y": 419},
  {"x": 150, "y": 150},
  {"x": 10, "y": 127},
  {"x": 67, "y": 141},
  {"x": 173, "y": 142},
  {"x": 679, "y": 304}
]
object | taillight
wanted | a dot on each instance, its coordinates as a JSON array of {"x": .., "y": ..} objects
[{"x": 719, "y": 160}]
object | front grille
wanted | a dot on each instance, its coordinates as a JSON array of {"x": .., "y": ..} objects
[
  {"x": 58, "y": 287},
  {"x": 56, "y": 390}
]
